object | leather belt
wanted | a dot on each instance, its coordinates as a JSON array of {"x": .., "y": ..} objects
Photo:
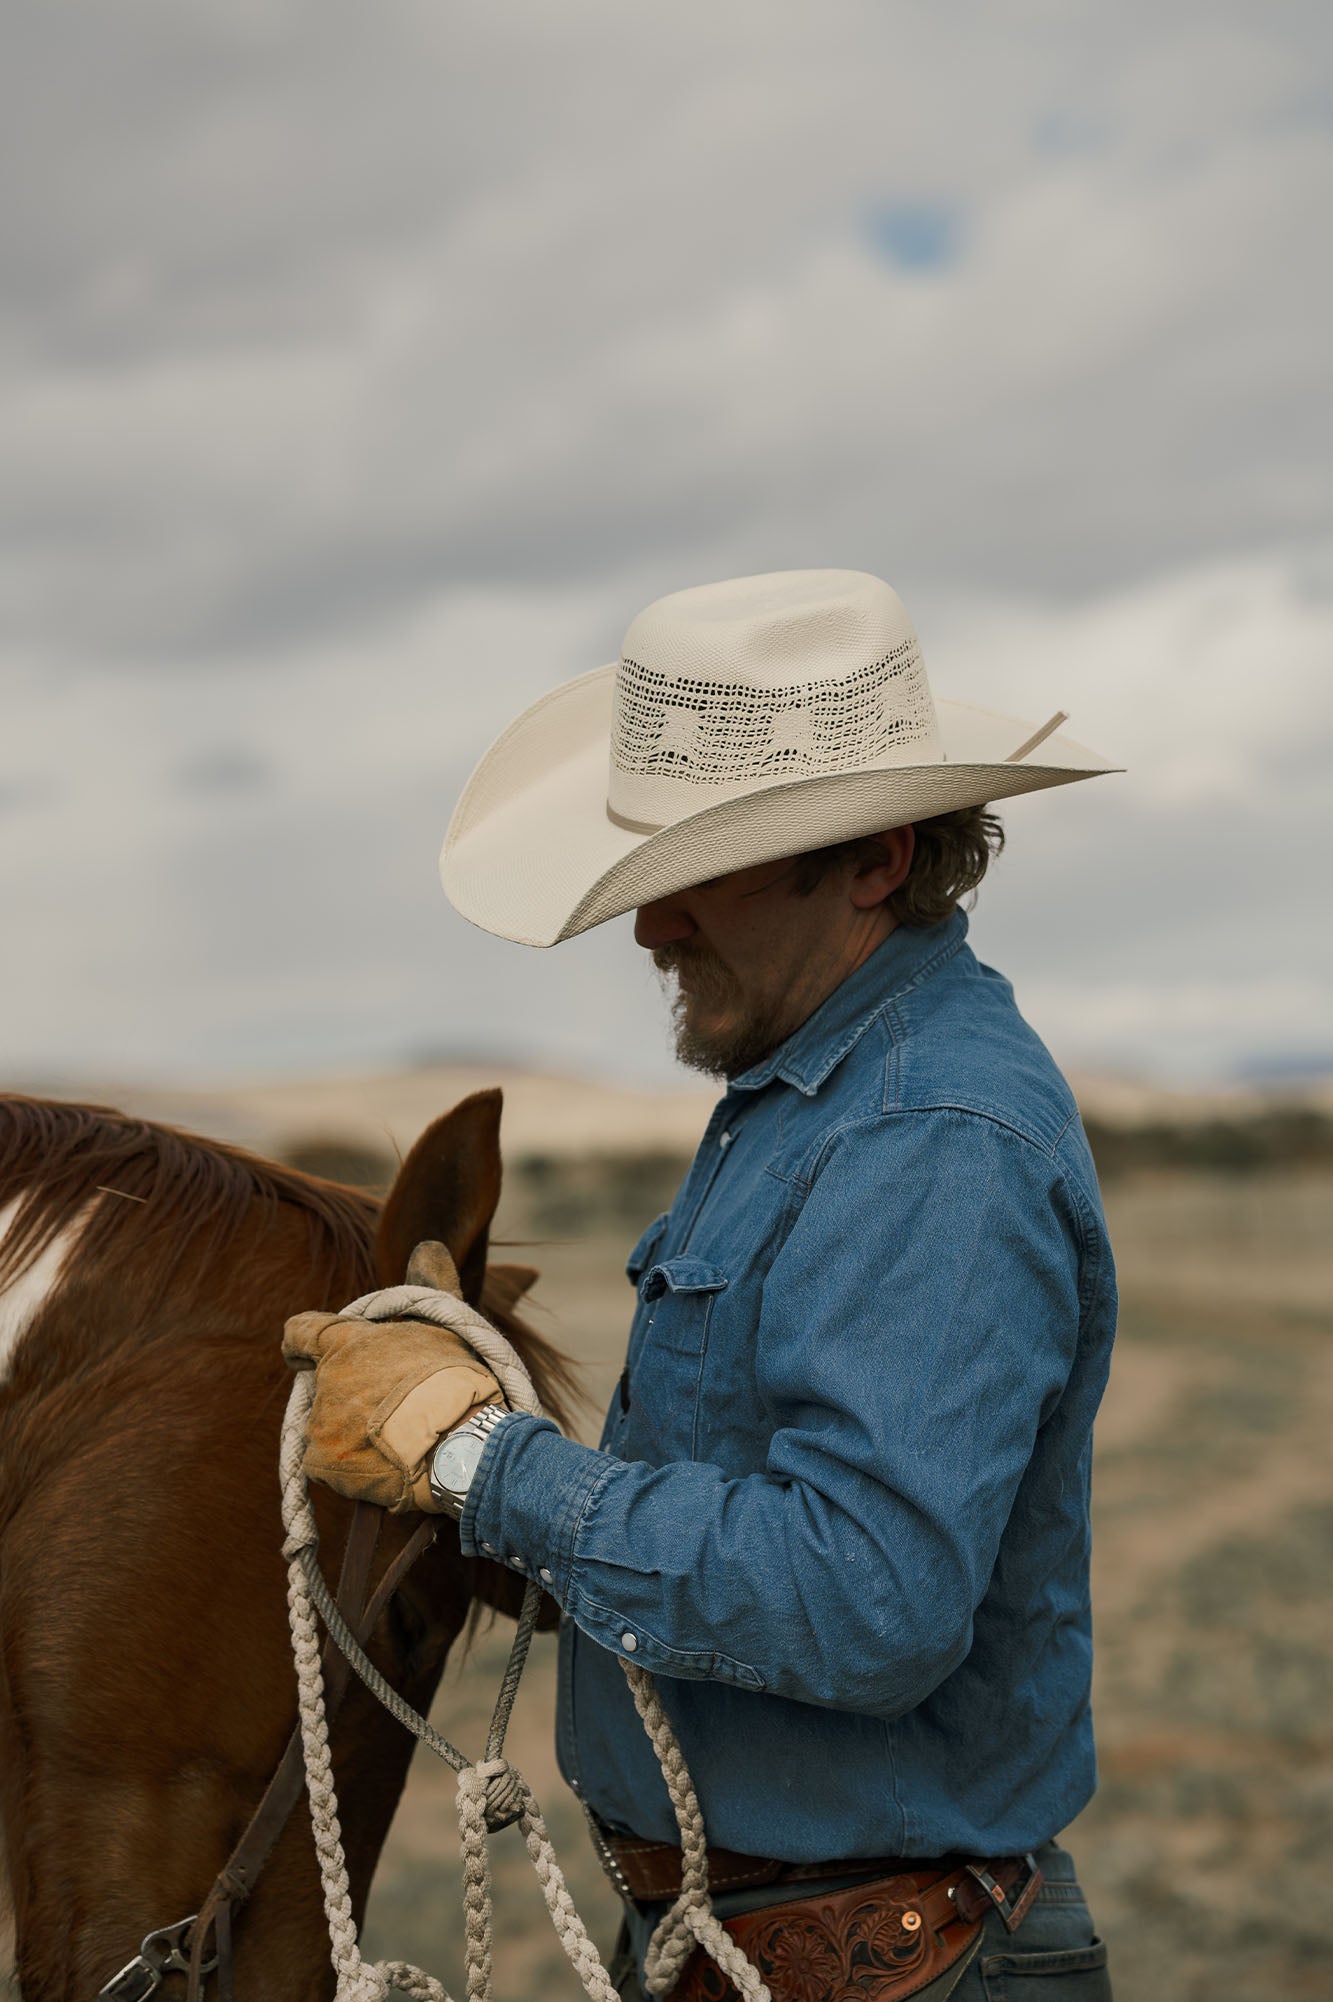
[{"x": 650, "y": 1873}]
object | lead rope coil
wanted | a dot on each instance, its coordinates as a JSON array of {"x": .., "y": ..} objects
[{"x": 491, "y": 1792}]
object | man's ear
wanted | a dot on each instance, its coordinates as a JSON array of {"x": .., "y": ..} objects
[
  {"x": 447, "y": 1189},
  {"x": 884, "y": 868}
]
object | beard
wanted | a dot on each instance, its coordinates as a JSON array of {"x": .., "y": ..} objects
[{"x": 716, "y": 1030}]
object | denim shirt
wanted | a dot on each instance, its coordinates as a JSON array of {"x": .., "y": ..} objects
[{"x": 840, "y": 1507}]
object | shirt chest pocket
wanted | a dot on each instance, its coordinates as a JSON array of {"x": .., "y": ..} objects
[{"x": 677, "y": 1298}]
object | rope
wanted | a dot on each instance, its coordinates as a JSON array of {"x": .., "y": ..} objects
[
  {"x": 491, "y": 1792},
  {"x": 691, "y": 1920}
]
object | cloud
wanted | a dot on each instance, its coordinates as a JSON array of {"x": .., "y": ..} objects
[
  {"x": 363, "y": 372},
  {"x": 308, "y": 323},
  {"x": 1160, "y": 919}
]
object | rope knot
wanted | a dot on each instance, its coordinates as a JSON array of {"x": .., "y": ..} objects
[
  {"x": 504, "y": 1793},
  {"x": 492, "y": 1791}
]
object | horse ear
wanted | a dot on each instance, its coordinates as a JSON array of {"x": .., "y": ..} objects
[{"x": 447, "y": 1189}]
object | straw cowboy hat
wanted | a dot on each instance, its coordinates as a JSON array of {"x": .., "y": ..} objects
[{"x": 743, "y": 721}]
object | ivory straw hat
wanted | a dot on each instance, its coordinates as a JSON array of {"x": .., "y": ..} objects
[{"x": 743, "y": 722}]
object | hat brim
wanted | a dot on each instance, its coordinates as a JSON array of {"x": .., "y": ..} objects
[{"x": 533, "y": 855}]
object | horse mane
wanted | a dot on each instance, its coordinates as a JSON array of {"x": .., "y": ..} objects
[
  {"x": 173, "y": 1202},
  {"x": 163, "y": 1207}
]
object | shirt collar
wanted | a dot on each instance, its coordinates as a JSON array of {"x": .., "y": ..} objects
[{"x": 814, "y": 1050}]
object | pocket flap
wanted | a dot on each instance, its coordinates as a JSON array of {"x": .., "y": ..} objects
[{"x": 681, "y": 1275}]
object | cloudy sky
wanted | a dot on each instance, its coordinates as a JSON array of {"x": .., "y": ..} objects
[{"x": 363, "y": 370}]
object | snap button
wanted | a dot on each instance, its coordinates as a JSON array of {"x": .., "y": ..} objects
[
  {"x": 544, "y": 1575},
  {"x": 489, "y": 1548},
  {"x": 628, "y": 1642},
  {"x": 724, "y": 1140}
]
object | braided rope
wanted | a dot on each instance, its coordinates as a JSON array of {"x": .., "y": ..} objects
[
  {"x": 691, "y": 1920},
  {"x": 357, "y": 1982},
  {"x": 491, "y": 1792}
]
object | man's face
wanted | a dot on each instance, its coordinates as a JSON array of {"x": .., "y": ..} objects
[{"x": 750, "y": 959}]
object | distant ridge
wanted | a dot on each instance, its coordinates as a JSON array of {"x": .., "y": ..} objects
[{"x": 559, "y": 1115}]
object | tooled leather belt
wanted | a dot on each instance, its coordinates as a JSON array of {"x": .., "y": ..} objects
[{"x": 892, "y": 1931}]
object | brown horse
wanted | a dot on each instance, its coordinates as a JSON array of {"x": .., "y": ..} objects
[{"x": 146, "y": 1686}]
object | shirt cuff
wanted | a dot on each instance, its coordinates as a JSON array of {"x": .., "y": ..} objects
[{"x": 528, "y": 1496}]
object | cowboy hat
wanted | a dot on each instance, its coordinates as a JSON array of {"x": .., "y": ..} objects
[{"x": 744, "y": 721}]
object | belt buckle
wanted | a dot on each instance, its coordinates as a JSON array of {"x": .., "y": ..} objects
[{"x": 1013, "y": 1910}]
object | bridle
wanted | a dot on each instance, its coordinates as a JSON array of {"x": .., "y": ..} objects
[{"x": 201, "y": 1944}]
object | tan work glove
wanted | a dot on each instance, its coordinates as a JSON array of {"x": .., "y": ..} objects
[{"x": 385, "y": 1391}]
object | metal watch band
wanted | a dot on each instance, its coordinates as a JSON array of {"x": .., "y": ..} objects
[{"x": 479, "y": 1424}]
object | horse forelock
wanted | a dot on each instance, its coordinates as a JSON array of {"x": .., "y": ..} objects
[{"x": 168, "y": 1212}]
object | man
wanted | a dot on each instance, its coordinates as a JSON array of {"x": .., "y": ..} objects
[{"x": 840, "y": 1507}]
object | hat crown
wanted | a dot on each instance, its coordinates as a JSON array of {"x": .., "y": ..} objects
[{"x": 727, "y": 688}]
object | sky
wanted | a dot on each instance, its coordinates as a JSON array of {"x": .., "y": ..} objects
[{"x": 363, "y": 371}]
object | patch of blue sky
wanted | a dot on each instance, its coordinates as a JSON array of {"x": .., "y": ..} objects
[
  {"x": 1064, "y": 132},
  {"x": 917, "y": 235}
]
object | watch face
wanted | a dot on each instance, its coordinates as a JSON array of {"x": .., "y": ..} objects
[{"x": 456, "y": 1461}]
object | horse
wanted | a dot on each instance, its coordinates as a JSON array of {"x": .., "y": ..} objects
[{"x": 146, "y": 1683}]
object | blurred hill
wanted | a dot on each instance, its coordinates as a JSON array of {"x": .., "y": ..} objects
[
  {"x": 581, "y": 1152},
  {"x": 383, "y": 1111},
  {"x": 380, "y": 1113}
]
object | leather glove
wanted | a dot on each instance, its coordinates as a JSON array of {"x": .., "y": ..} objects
[{"x": 385, "y": 1391}]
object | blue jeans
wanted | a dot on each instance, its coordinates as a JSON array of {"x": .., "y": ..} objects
[{"x": 1055, "y": 1956}]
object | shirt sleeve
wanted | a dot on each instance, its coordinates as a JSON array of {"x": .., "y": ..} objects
[{"x": 917, "y": 1327}]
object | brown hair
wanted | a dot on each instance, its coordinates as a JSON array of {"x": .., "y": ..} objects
[{"x": 952, "y": 854}]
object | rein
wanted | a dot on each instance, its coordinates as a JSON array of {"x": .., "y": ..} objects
[{"x": 492, "y": 1794}]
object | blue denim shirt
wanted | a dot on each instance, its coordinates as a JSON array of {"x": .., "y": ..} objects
[{"x": 840, "y": 1507}]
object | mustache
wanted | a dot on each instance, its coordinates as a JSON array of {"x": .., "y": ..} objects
[
  {"x": 686, "y": 954},
  {"x": 690, "y": 961}
]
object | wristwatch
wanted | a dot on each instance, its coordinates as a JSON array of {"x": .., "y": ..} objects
[{"x": 456, "y": 1459}]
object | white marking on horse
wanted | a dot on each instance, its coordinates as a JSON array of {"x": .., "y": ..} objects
[
  {"x": 23, "y": 1299},
  {"x": 20, "y": 1304}
]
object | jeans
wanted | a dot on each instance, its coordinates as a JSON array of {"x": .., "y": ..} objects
[{"x": 1055, "y": 1956}]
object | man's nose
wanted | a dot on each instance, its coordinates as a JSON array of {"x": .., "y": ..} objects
[{"x": 664, "y": 923}]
